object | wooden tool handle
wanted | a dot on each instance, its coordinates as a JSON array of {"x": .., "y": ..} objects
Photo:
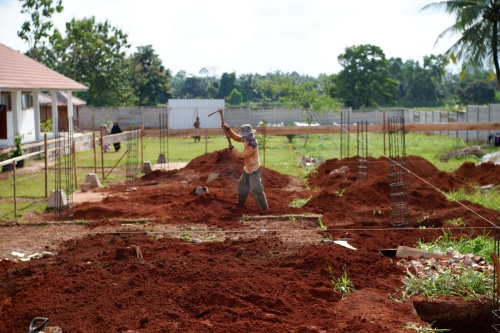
[
  {"x": 494, "y": 256},
  {"x": 221, "y": 115}
]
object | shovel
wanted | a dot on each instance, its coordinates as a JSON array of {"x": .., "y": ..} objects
[{"x": 41, "y": 326}]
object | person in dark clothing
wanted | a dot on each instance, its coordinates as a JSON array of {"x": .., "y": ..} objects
[
  {"x": 197, "y": 125},
  {"x": 497, "y": 140},
  {"x": 115, "y": 130}
]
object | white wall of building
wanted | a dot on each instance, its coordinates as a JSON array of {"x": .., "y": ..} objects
[{"x": 183, "y": 112}]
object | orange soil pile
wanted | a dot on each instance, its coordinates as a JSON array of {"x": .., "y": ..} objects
[{"x": 252, "y": 278}]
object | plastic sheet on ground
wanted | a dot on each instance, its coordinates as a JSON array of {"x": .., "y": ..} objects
[{"x": 493, "y": 158}]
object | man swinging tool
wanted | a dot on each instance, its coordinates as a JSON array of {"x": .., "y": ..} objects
[{"x": 250, "y": 180}]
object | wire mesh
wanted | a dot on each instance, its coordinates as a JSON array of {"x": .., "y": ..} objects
[
  {"x": 398, "y": 172},
  {"x": 495, "y": 327},
  {"x": 132, "y": 159},
  {"x": 362, "y": 150},
  {"x": 345, "y": 133},
  {"x": 64, "y": 174},
  {"x": 163, "y": 123}
]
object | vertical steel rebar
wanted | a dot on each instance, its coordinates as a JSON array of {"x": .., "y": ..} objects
[
  {"x": 70, "y": 170},
  {"x": 362, "y": 150},
  {"x": 162, "y": 149},
  {"x": 398, "y": 172},
  {"x": 132, "y": 163},
  {"x": 345, "y": 120},
  {"x": 64, "y": 177},
  {"x": 496, "y": 299},
  {"x": 163, "y": 156}
]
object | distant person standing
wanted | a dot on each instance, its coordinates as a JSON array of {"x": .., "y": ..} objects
[
  {"x": 197, "y": 125},
  {"x": 105, "y": 131},
  {"x": 115, "y": 130}
]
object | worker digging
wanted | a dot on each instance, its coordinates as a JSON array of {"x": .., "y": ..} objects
[{"x": 250, "y": 180}]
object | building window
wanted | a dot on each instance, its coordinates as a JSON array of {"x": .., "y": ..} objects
[
  {"x": 27, "y": 101},
  {"x": 5, "y": 100}
]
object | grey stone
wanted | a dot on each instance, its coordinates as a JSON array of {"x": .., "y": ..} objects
[
  {"x": 201, "y": 190},
  {"x": 212, "y": 176}
]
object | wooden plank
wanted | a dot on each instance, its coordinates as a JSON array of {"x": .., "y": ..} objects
[
  {"x": 284, "y": 217},
  {"x": 335, "y": 129}
]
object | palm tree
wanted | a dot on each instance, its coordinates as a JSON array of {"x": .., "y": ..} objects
[{"x": 477, "y": 21}]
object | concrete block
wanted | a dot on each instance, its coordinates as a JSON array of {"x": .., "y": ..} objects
[
  {"x": 93, "y": 180},
  {"x": 162, "y": 159},
  {"x": 84, "y": 187},
  {"x": 57, "y": 197},
  {"x": 148, "y": 167},
  {"x": 201, "y": 190}
]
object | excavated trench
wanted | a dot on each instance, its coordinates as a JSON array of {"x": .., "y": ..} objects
[{"x": 456, "y": 315}]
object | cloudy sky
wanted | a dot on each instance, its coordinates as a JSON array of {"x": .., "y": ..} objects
[{"x": 256, "y": 36}]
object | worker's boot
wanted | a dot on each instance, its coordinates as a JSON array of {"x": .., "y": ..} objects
[
  {"x": 242, "y": 199},
  {"x": 260, "y": 199}
]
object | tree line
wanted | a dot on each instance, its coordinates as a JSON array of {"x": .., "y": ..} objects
[{"x": 97, "y": 54}]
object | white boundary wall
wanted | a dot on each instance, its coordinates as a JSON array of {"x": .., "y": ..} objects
[{"x": 182, "y": 114}]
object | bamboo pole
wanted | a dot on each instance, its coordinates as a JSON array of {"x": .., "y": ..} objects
[
  {"x": 102, "y": 151},
  {"x": 95, "y": 152},
  {"x": 15, "y": 188},
  {"x": 264, "y": 139},
  {"x": 142, "y": 147},
  {"x": 383, "y": 124},
  {"x": 206, "y": 141},
  {"x": 74, "y": 165},
  {"x": 116, "y": 164},
  {"x": 46, "y": 158}
]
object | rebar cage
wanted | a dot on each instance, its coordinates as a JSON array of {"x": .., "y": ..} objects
[
  {"x": 398, "y": 172},
  {"x": 64, "y": 176},
  {"x": 345, "y": 120},
  {"x": 163, "y": 156},
  {"x": 132, "y": 159},
  {"x": 495, "y": 327},
  {"x": 362, "y": 150}
]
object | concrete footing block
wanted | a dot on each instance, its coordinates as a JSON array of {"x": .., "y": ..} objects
[
  {"x": 162, "y": 159},
  {"x": 57, "y": 197},
  {"x": 93, "y": 180},
  {"x": 148, "y": 167}
]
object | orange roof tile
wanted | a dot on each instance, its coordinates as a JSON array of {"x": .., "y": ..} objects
[{"x": 18, "y": 71}]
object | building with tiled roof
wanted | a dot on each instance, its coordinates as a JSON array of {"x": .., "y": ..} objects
[
  {"x": 22, "y": 80},
  {"x": 45, "y": 101}
]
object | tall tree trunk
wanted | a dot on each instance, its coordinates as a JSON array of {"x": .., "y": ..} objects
[{"x": 494, "y": 47}]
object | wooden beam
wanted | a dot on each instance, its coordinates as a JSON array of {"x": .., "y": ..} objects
[{"x": 335, "y": 129}]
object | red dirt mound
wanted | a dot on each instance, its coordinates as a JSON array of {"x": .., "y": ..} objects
[
  {"x": 482, "y": 174},
  {"x": 346, "y": 200},
  {"x": 271, "y": 272},
  {"x": 230, "y": 286}
]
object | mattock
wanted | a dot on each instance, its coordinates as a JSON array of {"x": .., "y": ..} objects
[{"x": 222, "y": 122}]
